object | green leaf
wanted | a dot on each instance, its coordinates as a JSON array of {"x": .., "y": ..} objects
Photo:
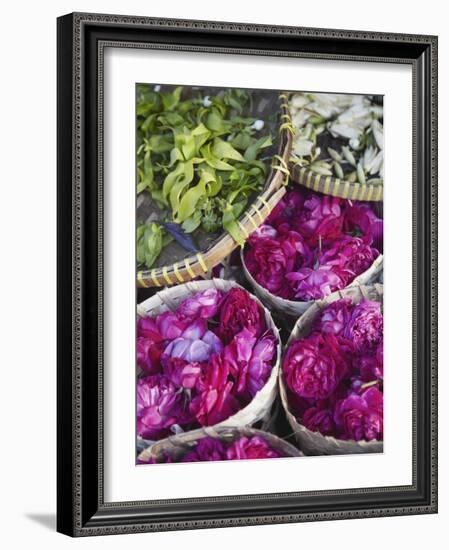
[
  {"x": 224, "y": 150},
  {"x": 191, "y": 223},
  {"x": 189, "y": 201},
  {"x": 253, "y": 150},
  {"x": 149, "y": 243},
  {"x": 216, "y": 123},
  {"x": 231, "y": 226},
  {"x": 171, "y": 100},
  {"x": 183, "y": 181}
]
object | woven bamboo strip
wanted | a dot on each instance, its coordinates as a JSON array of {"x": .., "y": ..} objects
[{"x": 333, "y": 186}]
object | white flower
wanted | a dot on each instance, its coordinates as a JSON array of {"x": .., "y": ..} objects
[
  {"x": 300, "y": 118},
  {"x": 378, "y": 133},
  {"x": 257, "y": 125},
  {"x": 303, "y": 147},
  {"x": 157, "y": 88},
  {"x": 354, "y": 143},
  {"x": 298, "y": 101},
  {"x": 207, "y": 102}
]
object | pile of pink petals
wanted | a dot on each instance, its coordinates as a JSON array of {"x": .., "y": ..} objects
[
  {"x": 312, "y": 245},
  {"x": 201, "y": 363},
  {"x": 209, "y": 448},
  {"x": 334, "y": 376}
]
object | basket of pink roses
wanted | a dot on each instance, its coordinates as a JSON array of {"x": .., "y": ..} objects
[
  {"x": 310, "y": 246},
  {"x": 218, "y": 443},
  {"x": 331, "y": 380},
  {"x": 208, "y": 354}
]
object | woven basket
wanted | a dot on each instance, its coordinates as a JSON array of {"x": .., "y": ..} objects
[
  {"x": 329, "y": 185},
  {"x": 314, "y": 443},
  {"x": 259, "y": 409},
  {"x": 177, "y": 446},
  {"x": 295, "y": 308},
  {"x": 182, "y": 269}
]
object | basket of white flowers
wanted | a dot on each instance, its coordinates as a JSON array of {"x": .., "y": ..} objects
[{"x": 338, "y": 144}]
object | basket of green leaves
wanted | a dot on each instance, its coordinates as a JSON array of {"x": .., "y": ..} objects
[{"x": 211, "y": 165}]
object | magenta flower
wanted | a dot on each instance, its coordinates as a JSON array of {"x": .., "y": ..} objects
[
  {"x": 207, "y": 449},
  {"x": 351, "y": 255},
  {"x": 147, "y": 328},
  {"x": 360, "y": 217},
  {"x": 313, "y": 284},
  {"x": 319, "y": 419},
  {"x": 253, "y": 447},
  {"x": 204, "y": 304},
  {"x": 214, "y": 402},
  {"x": 264, "y": 231},
  {"x": 365, "y": 327},
  {"x": 361, "y": 416},
  {"x": 289, "y": 206},
  {"x": 269, "y": 258},
  {"x": 238, "y": 311},
  {"x": 149, "y": 354},
  {"x": 320, "y": 219},
  {"x": 158, "y": 406},
  {"x": 250, "y": 361},
  {"x": 372, "y": 366},
  {"x": 334, "y": 318},
  {"x": 314, "y": 366},
  {"x": 169, "y": 325},
  {"x": 181, "y": 372}
]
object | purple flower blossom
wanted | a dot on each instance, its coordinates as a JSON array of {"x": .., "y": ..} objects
[
  {"x": 250, "y": 361},
  {"x": 320, "y": 219},
  {"x": 238, "y": 311},
  {"x": 365, "y": 327},
  {"x": 169, "y": 325},
  {"x": 204, "y": 304},
  {"x": 361, "y": 416},
  {"x": 313, "y": 284},
  {"x": 251, "y": 448},
  {"x": 319, "y": 419},
  {"x": 214, "y": 402},
  {"x": 207, "y": 449},
  {"x": 334, "y": 318},
  {"x": 158, "y": 406},
  {"x": 314, "y": 366},
  {"x": 350, "y": 254}
]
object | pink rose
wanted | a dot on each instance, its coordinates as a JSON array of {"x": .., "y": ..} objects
[
  {"x": 204, "y": 304},
  {"x": 238, "y": 311},
  {"x": 314, "y": 366},
  {"x": 320, "y": 219},
  {"x": 251, "y": 448},
  {"x": 334, "y": 317},
  {"x": 361, "y": 416},
  {"x": 365, "y": 327}
]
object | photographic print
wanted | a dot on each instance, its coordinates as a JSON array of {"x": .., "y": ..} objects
[
  {"x": 222, "y": 226},
  {"x": 259, "y": 249}
]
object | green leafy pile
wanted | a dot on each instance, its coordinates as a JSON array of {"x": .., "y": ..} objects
[{"x": 199, "y": 158}]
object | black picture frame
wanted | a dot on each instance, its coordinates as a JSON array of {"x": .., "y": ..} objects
[{"x": 81, "y": 509}]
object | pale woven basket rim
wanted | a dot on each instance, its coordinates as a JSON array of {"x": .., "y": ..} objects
[
  {"x": 260, "y": 405},
  {"x": 329, "y": 185},
  {"x": 302, "y": 328},
  {"x": 187, "y": 440}
]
